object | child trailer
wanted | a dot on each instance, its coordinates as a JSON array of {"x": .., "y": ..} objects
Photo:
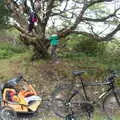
[{"x": 18, "y": 97}]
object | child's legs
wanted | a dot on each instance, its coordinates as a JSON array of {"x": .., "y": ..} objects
[
  {"x": 30, "y": 27},
  {"x": 53, "y": 50}
]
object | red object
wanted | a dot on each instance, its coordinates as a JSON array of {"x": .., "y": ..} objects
[
  {"x": 34, "y": 19},
  {"x": 11, "y": 93}
]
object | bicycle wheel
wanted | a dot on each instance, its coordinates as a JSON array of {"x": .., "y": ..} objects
[
  {"x": 111, "y": 107},
  {"x": 7, "y": 113},
  {"x": 60, "y": 95}
]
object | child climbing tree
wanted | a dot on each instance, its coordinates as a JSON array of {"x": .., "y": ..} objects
[{"x": 31, "y": 21}]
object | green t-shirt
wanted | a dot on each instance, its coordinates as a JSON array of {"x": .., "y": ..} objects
[{"x": 54, "y": 39}]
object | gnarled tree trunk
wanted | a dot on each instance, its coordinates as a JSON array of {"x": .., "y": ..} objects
[{"x": 40, "y": 46}]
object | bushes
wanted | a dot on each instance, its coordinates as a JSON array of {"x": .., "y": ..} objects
[
  {"x": 5, "y": 54},
  {"x": 86, "y": 45},
  {"x": 8, "y": 50},
  {"x": 90, "y": 47},
  {"x": 112, "y": 55}
]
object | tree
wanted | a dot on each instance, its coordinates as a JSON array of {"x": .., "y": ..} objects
[
  {"x": 4, "y": 16},
  {"x": 64, "y": 16}
]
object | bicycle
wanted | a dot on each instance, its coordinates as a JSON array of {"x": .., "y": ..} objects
[{"x": 69, "y": 97}]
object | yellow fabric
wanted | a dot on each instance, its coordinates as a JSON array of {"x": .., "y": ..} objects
[
  {"x": 16, "y": 98},
  {"x": 22, "y": 100},
  {"x": 34, "y": 105}
]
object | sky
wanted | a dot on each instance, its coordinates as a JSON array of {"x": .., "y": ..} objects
[{"x": 114, "y": 5}]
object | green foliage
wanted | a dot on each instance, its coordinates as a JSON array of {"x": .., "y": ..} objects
[
  {"x": 4, "y": 16},
  {"x": 92, "y": 53},
  {"x": 72, "y": 55},
  {"x": 111, "y": 56},
  {"x": 86, "y": 45},
  {"x": 8, "y": 50},
  {"x": 4, "y": 53}
]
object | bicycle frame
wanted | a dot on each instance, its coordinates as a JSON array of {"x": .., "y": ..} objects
[{"x": 104, "y": 94}]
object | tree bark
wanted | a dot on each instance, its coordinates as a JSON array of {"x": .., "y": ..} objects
[{"x": 40, "y": 46}]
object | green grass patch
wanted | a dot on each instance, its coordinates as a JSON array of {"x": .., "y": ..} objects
[
  {"x": 8, "y": 50},
  {"x": 106, "y": 60}
]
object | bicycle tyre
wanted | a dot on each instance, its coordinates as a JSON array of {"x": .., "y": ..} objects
[
  {"x": 110, "y": 105},
  {"x": 60, "y": 95},
  {"x": 7, "y": 113}
]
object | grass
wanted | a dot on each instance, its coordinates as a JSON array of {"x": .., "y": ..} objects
[
  {"x": 9, "y": 50},
  {"x": 96, "y": 117},
  {"x": 105, "y": 60},
  {"x": 10, "y": 67},
  {"x": 18, "y": 63},
  {"x": 103, "y": 117}
]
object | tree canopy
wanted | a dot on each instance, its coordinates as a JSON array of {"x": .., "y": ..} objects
[{"x": 87, "y": 17}]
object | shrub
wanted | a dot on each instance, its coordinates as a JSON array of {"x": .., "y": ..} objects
[
  {"x": 4, "y": 53},
  {"x": 8, "y": 50},
  {"x": 90, "y": 47}
]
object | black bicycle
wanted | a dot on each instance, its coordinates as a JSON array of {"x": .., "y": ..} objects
[{"x": 72, "y": 99}]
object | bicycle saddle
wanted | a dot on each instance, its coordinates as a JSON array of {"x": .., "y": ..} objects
[{"x": 78, "y": 72}]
